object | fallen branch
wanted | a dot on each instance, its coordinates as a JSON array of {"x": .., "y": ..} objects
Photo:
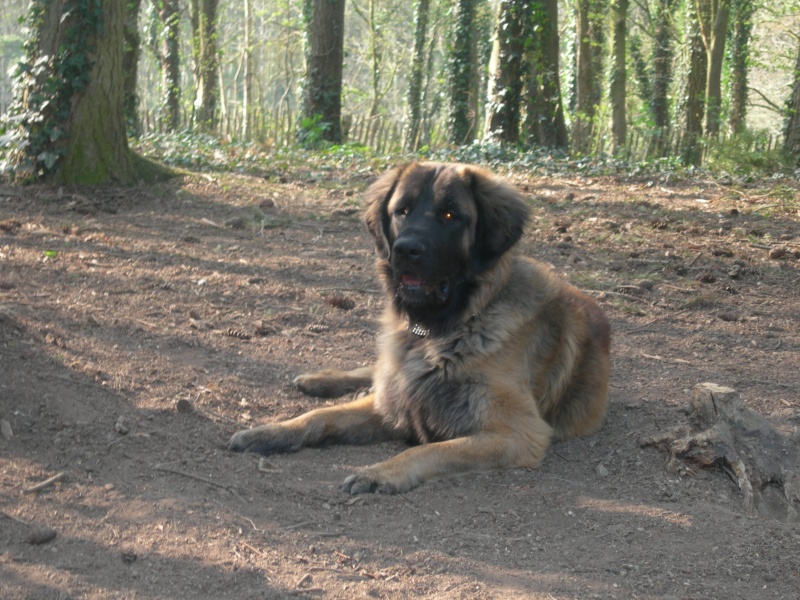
[
  {"x": 13, "y": 518},
  {"x": 618, "y": 294},
  {"x": 349, "y": 289},
  {"x": 45, "y": 484}
]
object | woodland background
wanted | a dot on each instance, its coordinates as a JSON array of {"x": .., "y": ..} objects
[{"x": 688, "y": 82}]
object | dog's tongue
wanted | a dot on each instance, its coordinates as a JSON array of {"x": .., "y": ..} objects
[{"x": 411, "y": 281}]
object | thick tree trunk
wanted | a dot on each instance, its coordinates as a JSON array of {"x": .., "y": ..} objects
[
  {"x": 70, "y": 109},
  {"x": 205, "y": 54},
  {"x": 694, "y": 108},
  {"x": 505, "y": 72},
  {"x": 461, "y": 74},
  {"x": 322, "y": 92},
  {"x": 791, "y": 140},
  {"x": 170, "y": 65},
  {"x": 544, "y": 121},
  {"x": 414, "y": 117},
  {"x": 589, "y": 70},
  {"x": 663, "y": 54},
  {"x": 619, "y": 124},
  {"x": 740, "y": 58}
]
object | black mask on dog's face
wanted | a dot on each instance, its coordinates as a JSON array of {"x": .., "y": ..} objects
[{"x": 436, "y": 227}]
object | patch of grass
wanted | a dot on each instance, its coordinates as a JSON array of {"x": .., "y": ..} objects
[
  {"x": 746, "y": 154},
  {"x": 781, "y": 199}
]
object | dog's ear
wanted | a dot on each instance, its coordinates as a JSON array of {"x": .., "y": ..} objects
[
  {"x": 376, "y": 216},
  {"x": 502, "y": 214}
]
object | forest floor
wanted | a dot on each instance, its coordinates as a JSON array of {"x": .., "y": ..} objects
[{"x": 141, "y": 327}]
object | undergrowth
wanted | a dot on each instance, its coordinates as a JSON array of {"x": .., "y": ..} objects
[{"x": 207, "y": 153}]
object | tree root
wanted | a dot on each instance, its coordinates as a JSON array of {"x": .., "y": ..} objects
[{"x": 726, "y": 434}]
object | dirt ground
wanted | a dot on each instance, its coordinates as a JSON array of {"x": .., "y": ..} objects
[{"x": 139, "y": 328}]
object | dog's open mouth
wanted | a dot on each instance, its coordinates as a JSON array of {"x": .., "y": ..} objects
[
  {"x": 411, "y": 282},
  {"x": 417, "y": 290}
]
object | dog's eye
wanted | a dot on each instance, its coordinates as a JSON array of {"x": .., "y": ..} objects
[
  {"x": 401, "y": 212},
  {"x": 449, "y": 215}
]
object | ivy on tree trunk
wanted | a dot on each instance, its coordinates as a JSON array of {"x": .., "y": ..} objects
[
  {"x": 619, "y": 124},
  {"x": 739, "y": 62},
  {"x": 461, "y": 73},
  {"x": 414, "y": 116},
  {"x": 544, "y": 122},
  {"x": 791, "y": 141},
  {"x": 69, "y": 97},
  {"x": 663, "y": 53},
  {"x": 170, "y": 65},
  {"x": 505, "y": 71},
  {"x": 205, "y": 54},
  {"x": 694, "y": 100}
]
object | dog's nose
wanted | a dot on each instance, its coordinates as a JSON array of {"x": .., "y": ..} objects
[{"x": 409, "y": 248}]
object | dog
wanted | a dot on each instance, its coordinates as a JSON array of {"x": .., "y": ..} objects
[{"x": 484, "y": 356}]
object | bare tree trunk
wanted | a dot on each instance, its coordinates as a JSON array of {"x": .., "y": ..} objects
[
  {"x": 204, "y": 50},
  {"x": 714, "y": 38},
  {"x": 432, "y": 101},
  {"x": 414, "y": 117},
  {"x": 247, "y": 88},
  {"x": 322, "y": 92},
  {"x": 373, "y": 27},
  {"x": 170, "y": 65},
  {"x": 791, "y": 141},
  {"x": 619, "y": 124},
  {"x": 505, "y": 72},
  {"x": 130, "y": 67},
  {"x": 740, "y": 58}
]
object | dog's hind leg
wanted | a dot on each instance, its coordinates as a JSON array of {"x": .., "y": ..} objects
[{"x": 484, "y": 451}]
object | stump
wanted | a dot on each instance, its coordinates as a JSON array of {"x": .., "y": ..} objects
[{"x": 726, "y": 434}]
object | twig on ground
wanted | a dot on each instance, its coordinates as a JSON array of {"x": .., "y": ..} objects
[
  {"x": 618, "y": 294},
  {"x": 299, "y": 525},
  {"x": 349, "y": 289},
  {"x": 788, "y": 386},
  {"x": 656, "y": 319},
  {"x": 13, "y": 518},
  {"x": 46, "y": 483},
  {"x": 159, "y": 467},
  {"x": 254, "y": 549}
]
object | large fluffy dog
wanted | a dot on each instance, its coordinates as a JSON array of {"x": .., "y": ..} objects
[{"x": 484, "y": 356}]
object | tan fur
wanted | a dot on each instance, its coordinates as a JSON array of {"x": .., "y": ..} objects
[{"x": 525, "y": 362}]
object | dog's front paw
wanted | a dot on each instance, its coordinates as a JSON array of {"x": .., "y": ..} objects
[
  {"x": 375, "y": 480},
  {"x": 266, "y": 440},
  {"x": 323, "y": 384}
]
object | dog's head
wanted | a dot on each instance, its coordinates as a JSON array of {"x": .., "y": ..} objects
[{"x": 436, "y": 227}]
